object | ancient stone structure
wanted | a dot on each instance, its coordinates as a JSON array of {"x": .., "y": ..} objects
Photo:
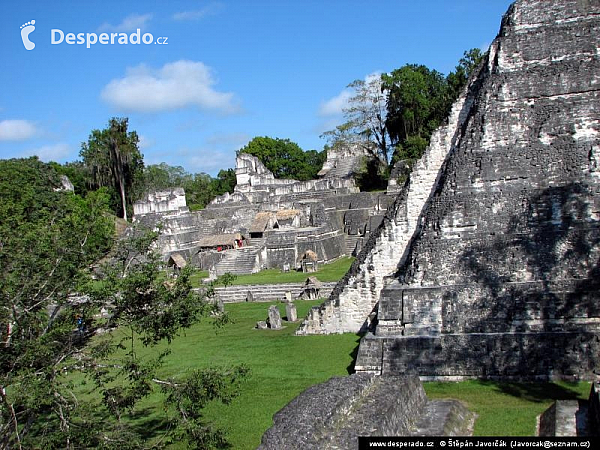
[
  {"x": 334, "y": 414},
  {"x": 572, "y": 417},
  {"x": 494, "y": 240},
  {"x": 291, "y": 313},
  {"x": 169, "y": 200},
  {"x": 274, "y": 320},
  {"x": 343, "y": 161},
  {"x": 266, "y": 222},
  {"x": 351, "y": 303}
]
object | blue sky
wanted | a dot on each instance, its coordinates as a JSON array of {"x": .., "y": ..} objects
[{"x": 230, "y": 70}]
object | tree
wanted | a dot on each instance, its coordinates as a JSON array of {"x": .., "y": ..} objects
[
  {"x": 113, "y": 159},
  {"x": 225, "y": 182},
  {"x": 285, "y": 158},
  {"x": 366, "y": 120},
  {"x": 418, "y": 101},
  {"x": 466, "y": 66},
  {"x": 146, "y": 310},
  {"x": 49, "y": 240}
]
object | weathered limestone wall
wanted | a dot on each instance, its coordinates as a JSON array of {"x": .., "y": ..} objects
[
  {"x": 350, "y": 304},
  {"x": 503, "y": 277},
  {"x": 161, "y": 201},
  {"x": 256, "y": 184},
  {"x": 343, "y": 161}
]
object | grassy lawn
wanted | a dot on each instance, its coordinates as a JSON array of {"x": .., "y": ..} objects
[
  {"x": 506, "y": 409},
  {"x": 327, "y": 272},
  {"x": 283, "y": 365}
]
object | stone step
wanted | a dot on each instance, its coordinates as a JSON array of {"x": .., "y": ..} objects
[
  {"x": 353, "y": 244},
  {"x": 238, "y": 262},
  {"x": 267, "y": 292}
]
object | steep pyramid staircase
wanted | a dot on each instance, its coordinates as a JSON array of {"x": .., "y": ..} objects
[{"x": 238, "y": 261}]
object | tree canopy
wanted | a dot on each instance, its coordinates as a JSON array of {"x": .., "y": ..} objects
[
  {"x": 113, "y": 159},
  {"x": 393, "y": 116},
  {"x": 366, "y": 120},
  {"x": 285, "y": 158},
  {"x": 50, "y": 243}
]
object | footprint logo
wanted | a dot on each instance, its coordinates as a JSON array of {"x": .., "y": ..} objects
[{"x": 26, "y": 30}]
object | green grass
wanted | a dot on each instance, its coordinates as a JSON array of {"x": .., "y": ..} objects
[
  {"x": 504, "y": 408},
  {"x": 198, "y": 276},
  {"x": 327, "y": 272},
  {"x": 282, "y": 366}
]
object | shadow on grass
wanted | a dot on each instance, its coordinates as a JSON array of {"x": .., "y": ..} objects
[
  {"x": 354, "y": 354},
  {"x": 535, "y": 392},
  {"x": 148, "y": 424}
]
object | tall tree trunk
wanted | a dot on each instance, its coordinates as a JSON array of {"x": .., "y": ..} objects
[{"x": 123, "y": 202}]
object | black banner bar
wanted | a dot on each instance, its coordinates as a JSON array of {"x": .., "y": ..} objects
[{"x": 500, "y": 442}]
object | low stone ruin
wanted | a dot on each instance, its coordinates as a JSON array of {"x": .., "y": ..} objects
[
  {"x": 291, "y": 314},
  {"x": 169, "y": 200},
  {"x": 335, "y": 413},
  {"x": 572, "y": 417},
  {"x": 274, "y": 320}
]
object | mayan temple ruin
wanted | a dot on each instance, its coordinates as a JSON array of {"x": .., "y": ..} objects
[
  {"x": 487, "y": 264},
  {"x": 269, "y": 222}
]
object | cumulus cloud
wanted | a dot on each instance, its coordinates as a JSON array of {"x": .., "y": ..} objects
[
  {"x": 198, "y": 14},
  {"x": 16, "y": 130},
  {"x": 175, "y": 85},
  {"x": 52, "y": 152},
  {"x": 129, "y": 23},
  {"x": 335, "y": 105}
]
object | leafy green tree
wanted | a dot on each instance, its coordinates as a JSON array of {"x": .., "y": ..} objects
[
  {"x": 161, "y": 176},
  {"x": 77, "y": 175},
  {"x": 366, "y": 120},
  {"x": 113, "y": 159},
  {"x": 466, "y": 66},
  {"x": 285, "y": 158},
  {"x": 199, "y": 191},
  {"x": 225, "y": 182},
  {"x": 48, "y": 238},
  {"x": 145, "y": 310},
  {"x": 418, "y": 101}
]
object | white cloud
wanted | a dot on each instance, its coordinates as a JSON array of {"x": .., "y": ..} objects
[
  {"x": 210, "y": 161},
  {"x": 175, "y": 85},
  {"x": 53, "y": 152},
  {"x": 129, "y": 23},
  {"x": 16, "y": 130},
  {"x": 335, "y": 106},
  {"x": 228, "y": 140},
  {"x": 145, "y": 142},
  {"x": 208, "y": 10}
]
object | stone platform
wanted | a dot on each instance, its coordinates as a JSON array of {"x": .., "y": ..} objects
[{"x": 332, "y": 415}]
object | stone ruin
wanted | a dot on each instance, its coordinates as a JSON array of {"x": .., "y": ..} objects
[
  {"x": 268, "y": 222},
  {"x": 486, "y": 264},
  {"x": 166, "y": 201},
  {"x": 332, "y": 415}
]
